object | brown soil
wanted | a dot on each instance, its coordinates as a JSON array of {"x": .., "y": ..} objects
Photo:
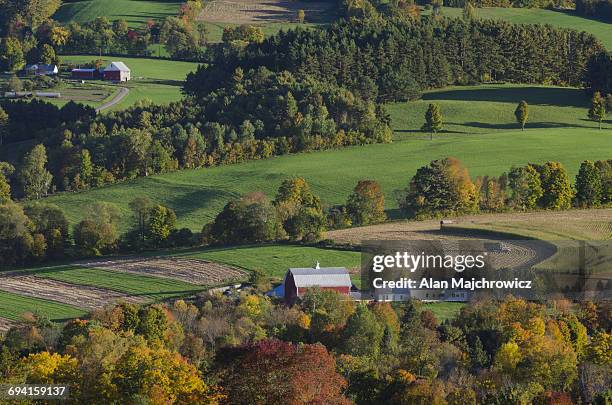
[
  {"x": 192, "y": 271},
  {"x": 5, "y": 325},
  {"x": 74, "y": 294}
]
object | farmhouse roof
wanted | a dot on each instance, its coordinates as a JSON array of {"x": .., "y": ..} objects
[
  {"x": 117, "y": 67},
  {"x": 42, "y": 67},
  {"x": 320, "y": 277},
  {"x": 84, "y": 70}
]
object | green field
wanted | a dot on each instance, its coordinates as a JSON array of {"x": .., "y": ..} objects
[
  {"x": 135, "y": 12},
  {"x": 599, "y": 29},
  {"x": 483, "y": 136},
  {"x": 12, "y": 306},
  {"x": 444, "y": 310},
  {"x": 158, "y": 80},
  {"x": 274, "y": 260},
  {"x": 154, "y": 288}
]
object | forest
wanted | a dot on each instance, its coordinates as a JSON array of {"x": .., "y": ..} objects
[{"x": 228, "y": 349}]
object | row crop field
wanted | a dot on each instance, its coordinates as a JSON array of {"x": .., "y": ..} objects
[{"x": 68, "y": 291}]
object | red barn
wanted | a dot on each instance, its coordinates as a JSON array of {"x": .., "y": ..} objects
[
  {"x": 85, "y": 74},
  {"x": 117, "y": 72},
  {"x": 299, "y": 280}
]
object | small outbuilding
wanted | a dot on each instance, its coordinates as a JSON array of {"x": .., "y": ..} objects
[
  {"x": 41, "y": 69},
  {"x": 85, "y": 74},
  {"x": 117, "y": 72},
  {"x": 299, "y": 280}
]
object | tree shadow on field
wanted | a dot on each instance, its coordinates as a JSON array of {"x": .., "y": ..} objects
[
  {"x": 202, "y": 198},
  {"x": 553, "y": 96},
  {"x": 514, "y": 125}
]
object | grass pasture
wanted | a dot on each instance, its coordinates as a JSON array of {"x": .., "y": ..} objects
[
  {"x": 443, "y": 310},
  {"x": 135, "y": 12},
  {"x": 158, "y": 80},
  {"x": 479, "y": 129},
  {"x": 198, "y": 195}
]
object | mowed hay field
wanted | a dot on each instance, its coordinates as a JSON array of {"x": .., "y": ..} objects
[
  {"x": 593, "y": 224},
  {"x": 271, "y": 16},
  {"x": 157, "y": 80},
  {"x": 481, "y": 133},
  {"x": 135, "y": 12}
]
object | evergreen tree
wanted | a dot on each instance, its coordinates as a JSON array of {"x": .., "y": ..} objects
[
  {"x": 34, "y": 177},
  {"x": 588, "y": 186},
  {"x": 598, "y": 112},
  {"x": 522, "y": 113},
  {"x": 433, "y": 119},
  {"x": 4, "y": 122}
]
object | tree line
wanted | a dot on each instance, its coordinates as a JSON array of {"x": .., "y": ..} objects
[
  {"x": 40, "y": 231},
  {"x": 219, "y": 349},
  {"x": 394, "y": 60},
  {"x": 258, "y": 115},
  {"x": 595, "y": 8}
]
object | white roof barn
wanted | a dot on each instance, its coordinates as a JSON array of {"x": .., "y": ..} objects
[
  {"x": 117, "y": 72},
  {"x": 117, "y": 67},
  {"x": 321, "y": 277},
  {"x": 299, "y": 280}
]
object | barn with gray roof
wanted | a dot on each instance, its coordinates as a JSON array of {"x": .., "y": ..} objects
[{"x": 299, "y": 280}]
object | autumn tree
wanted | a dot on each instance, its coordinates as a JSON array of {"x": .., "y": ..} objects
[
  {"x": 50, "y": 221},
  {"x": 11, "y": 55},
  {"x": 597, "y": 111},
  {"x": 557, "y": 192},
  {"x": 33, "y": 174},
  {"x": 363, "y": 334},
  {"x": 522, "y": 113},
  {"x": 525, "y": 187},
  {"x": 4, "y": 125},
  {"x": 588, "y": 186},
  {"x": 366, "y": 205},
  {"x": 161, "y": 221},
  {"x": 299, "y": 209},
  {"x": 469, "y": 11},
  {"x": 433, "y": 119},
  {"x": 300, "y": 16},
  {"x": 6, "y": 169},
  {"x": 249, "y": 219},
  {"x": 274, "y": 372},
  {"x": 97, "y": 233},
  {"x": 443, "y": 187}
]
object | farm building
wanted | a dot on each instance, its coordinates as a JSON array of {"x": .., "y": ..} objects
[
  {"x": 117, "y": 72},
  {"x": 42, "y": 70},
  {"x": 299, "y": 280},
  {"x": 85, "y": 74}
]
